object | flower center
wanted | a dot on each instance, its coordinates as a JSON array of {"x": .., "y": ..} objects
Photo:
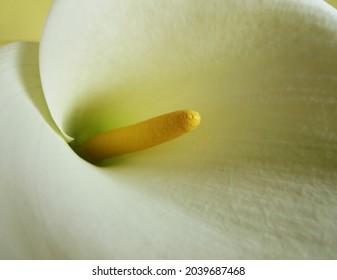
[{"x": 139, "y": 136}]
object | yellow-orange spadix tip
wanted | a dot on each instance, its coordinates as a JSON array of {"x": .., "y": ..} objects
[{"x": 140, "y": 136}]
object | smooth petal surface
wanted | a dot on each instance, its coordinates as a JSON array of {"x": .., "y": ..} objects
[{"x": 256, "y": 180}]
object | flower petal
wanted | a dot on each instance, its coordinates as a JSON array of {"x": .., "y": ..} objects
[
  {"x": 123, "y": 61},
  {"x": 257, "y": 180},
  {"x": 55, "y": 205},
  {"x": 263, "y": 76}
]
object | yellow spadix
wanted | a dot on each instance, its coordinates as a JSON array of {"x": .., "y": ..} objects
[{"x": 140, "y": 136}]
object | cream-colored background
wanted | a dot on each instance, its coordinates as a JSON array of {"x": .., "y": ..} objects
[
  {"x": 332, "y": 2},
  {"x": 22, "y": 20}
]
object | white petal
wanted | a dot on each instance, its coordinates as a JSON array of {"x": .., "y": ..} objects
[
  {"x": 111, "y": 63},
  {"x": 257, "y": 180},
  {"x": 55, "y": 205}
]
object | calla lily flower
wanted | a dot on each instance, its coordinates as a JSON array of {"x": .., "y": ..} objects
[{"x": 256, "y": 180}]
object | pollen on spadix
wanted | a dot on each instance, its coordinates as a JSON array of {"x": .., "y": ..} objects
[{"x": 143, "y": 135}]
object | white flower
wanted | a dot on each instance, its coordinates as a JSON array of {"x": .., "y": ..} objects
[{"x": 257, "y": 179}]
